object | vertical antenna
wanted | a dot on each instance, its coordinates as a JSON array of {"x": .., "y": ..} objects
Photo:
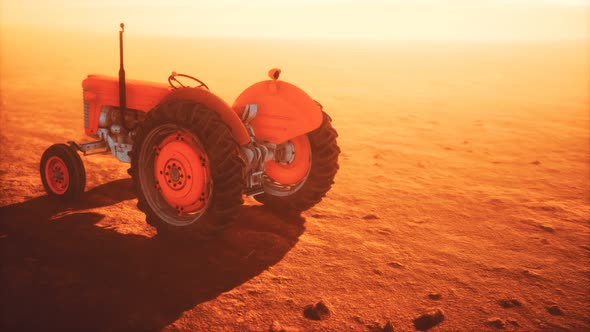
[{"x": 122, "y": 92}]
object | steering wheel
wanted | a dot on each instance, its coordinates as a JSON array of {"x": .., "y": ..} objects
[{"x": 172, "y": 78}]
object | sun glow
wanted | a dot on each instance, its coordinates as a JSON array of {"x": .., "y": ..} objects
[{"x": 324, "y": 19}]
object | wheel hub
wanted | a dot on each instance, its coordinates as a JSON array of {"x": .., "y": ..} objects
[
  {"x": 174, "y": 174},
  {"x": 285, "y": 153},
  {"x": 57, "y": 176},
  {"x": 293, "y": 162},
  {"x": 181, "y": 172}
]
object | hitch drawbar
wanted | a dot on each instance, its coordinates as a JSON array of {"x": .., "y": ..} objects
[{"x": 90, "y": 147}]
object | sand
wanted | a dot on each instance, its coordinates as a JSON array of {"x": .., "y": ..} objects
[{"x": 463, "y": 186}]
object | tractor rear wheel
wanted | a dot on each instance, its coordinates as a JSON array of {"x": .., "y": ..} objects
[
  {"x": 301, "y": 184},
  {"x": 62, "y": 172},
  {"x": 187, "y": 169}
]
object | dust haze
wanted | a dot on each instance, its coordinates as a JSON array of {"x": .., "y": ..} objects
[{"x": 463, "y": 186}]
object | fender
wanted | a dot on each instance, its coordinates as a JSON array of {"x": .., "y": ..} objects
[
  {"x": 216, "y": 104},
  {"x": 284, "y": 110}
]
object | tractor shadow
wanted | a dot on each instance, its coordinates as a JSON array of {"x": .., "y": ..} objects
[{"x": 61, "y": 272}]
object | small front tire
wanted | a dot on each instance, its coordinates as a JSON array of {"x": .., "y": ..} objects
[{"x": 62, "y": 172}]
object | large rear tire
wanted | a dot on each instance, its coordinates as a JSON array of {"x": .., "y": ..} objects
[
  {"x": 299, "y": 197},
  {"x": 62, "y": 172},
  {"x": 187, "y": 169}
]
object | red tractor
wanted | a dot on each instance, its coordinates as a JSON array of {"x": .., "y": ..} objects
[{"x": 193, "y": 156}]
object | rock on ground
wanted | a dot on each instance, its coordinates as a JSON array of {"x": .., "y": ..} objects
[
  {"x": 555, "y": 310},
  {"x": 509, "y": 303},
  {"x": 495, "y": 322},
  {"x": 319, "y": 311},
  {"x": 429, "y": 319}
]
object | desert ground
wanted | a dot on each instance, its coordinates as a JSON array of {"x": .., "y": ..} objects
[{"x": 464, "y": 190}]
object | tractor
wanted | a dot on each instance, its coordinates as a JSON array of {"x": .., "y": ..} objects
[{"x": 193, "y": 156}]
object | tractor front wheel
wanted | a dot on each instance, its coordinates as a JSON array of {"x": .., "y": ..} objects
[
  {"x": 62, "y": 172},
  {"x": 187, "y": 169}
]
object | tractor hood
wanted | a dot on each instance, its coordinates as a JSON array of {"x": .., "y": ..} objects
[{"x": 141, "y": 95}]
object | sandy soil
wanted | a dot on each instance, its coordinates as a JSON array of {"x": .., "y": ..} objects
[{"x": 464, "y": 186}]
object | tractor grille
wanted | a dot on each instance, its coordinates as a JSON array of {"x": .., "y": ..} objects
[{"x": 86, "y": 114}]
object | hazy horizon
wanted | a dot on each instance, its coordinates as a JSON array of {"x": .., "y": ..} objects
[
  {"x": 10, "y": 33},
  {"x": 374, "y": 20}
]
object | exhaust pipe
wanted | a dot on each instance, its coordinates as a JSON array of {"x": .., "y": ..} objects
[{"x": 122, "y": 92}]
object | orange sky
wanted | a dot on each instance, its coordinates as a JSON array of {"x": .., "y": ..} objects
[{"x": 311, "y": 19}]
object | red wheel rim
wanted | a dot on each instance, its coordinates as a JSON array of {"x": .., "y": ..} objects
[
  {"x": 56, "y": 173},
  {"x": 297, "y": 170},
  {"x": 181, "y": 169}
]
